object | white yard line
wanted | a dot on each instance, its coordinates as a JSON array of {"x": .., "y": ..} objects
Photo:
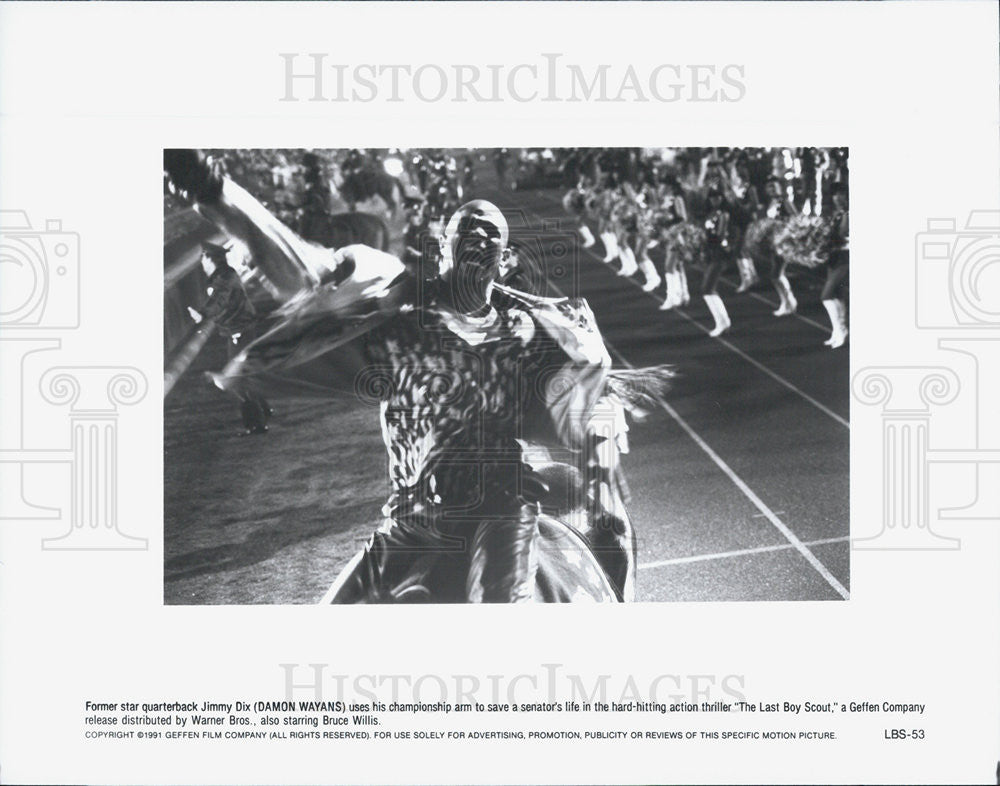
[
  {"x": 738, "y": 553},
  {"x": 776, "y": 377},
  {"x": 749, "y": 493}
]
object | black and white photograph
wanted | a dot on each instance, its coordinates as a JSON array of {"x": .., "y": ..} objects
[
  {"x": 534, "y": 325},
  {"x": 550, "y": 374}
]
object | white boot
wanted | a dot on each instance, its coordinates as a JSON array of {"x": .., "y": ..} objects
[
  {"x": 793, "y": 304},
  {"x": 610, "y": 246},
  {"x": 788, "y": 302},
  {"x": 781, "y": 310},
  {"x": 629, "y": 267},
  {"x": 719, "y": 314},
  {"x": 672, "y": 286},
  {"x": 842, "y": 313},
  {"x": 831, "y": 310},
  {"x": 748, "y": 274},
  {"x": 838, "y": 318},
  {"x": 680, "y": 288},
  {"x": 683, "y": 277},
  {"x": 653, "y": 279},
  {"x": 588, "y": 236}
]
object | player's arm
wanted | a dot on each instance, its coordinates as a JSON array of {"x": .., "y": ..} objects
[
  {"x": 317, "y": 346},
  {"x": 290, "y": 263}
]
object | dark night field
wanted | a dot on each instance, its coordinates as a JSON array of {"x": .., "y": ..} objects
[{"x": 739, "y": 483}]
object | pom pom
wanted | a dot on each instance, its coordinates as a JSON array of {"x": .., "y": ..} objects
[
  {"x": 641, "y": 389},
  {"x": 804, "y": 240},
  {"x": 684, "y": 242},
  {"x": 758, "y": 243}
]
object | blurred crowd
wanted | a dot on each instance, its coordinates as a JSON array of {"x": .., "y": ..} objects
[{"x": 659, "y": 214}]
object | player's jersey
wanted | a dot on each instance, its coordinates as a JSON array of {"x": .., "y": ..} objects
[{"x": 456, "y": 394}]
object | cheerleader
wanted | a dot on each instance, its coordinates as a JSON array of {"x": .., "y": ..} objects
[
  {"x": 677, "y": 243},
  {"x": 604, "y": 205},
  {"x": 837, "y": 268},
  {"x": 624, "y": 221},
  {"x": 717, "y": 256},
  {"x": 779, "y": 208},
  {"x": 575, "y": 203},
  {"x": 746, "y": 206},
  {"x": 638, "y": 240}
]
